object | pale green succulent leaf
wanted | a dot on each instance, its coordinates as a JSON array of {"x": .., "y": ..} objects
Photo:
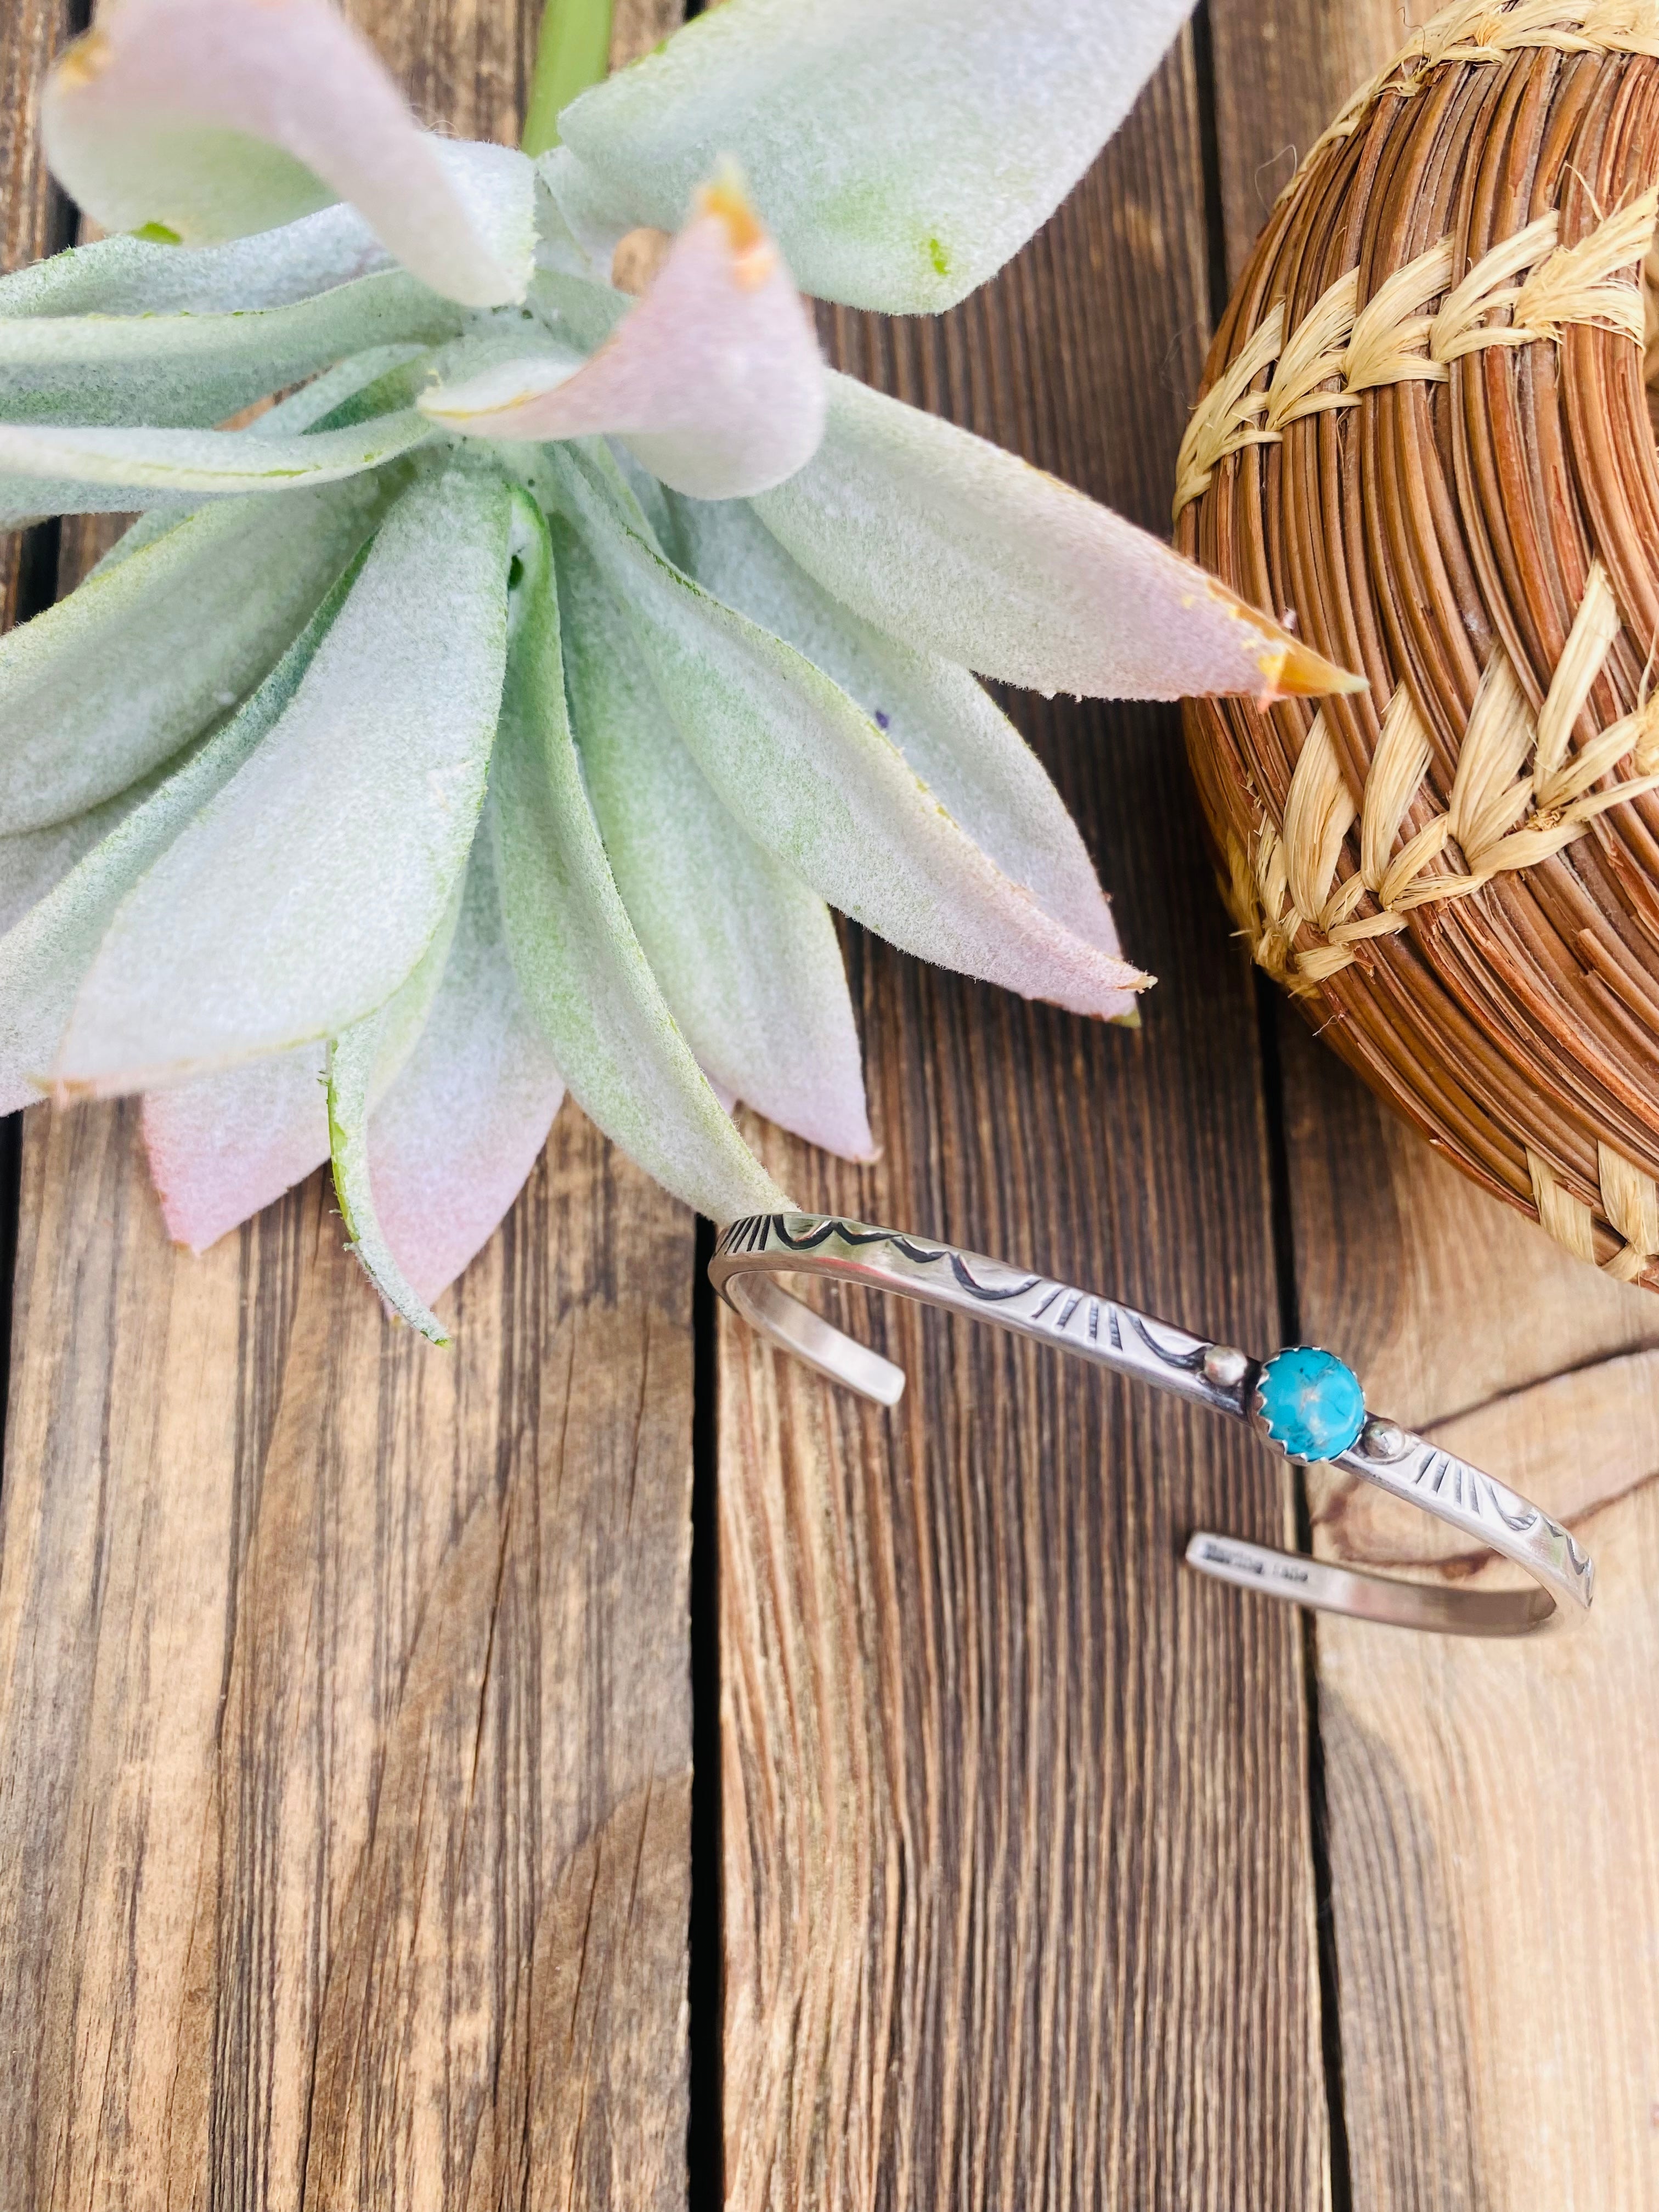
[
  {"x": 959, "y": 548},
  {"x": 557, "y": 247},
  {"x": 382, "y": 380},
  {"x": 151, "y": 651},
  {"x": 170, "y": 370},
  {"x": 45, "y": 953},
  {"x": 580, "y": 310},
  {"x": 54, "y": 469},
  {"x": 127, "y": 275},
  {"x": 214, "y": 185},
  {"x": 453, "y": 1138},
  {"x": 31, "y": 861},
  {"x": 208, "y": 122},
  {"x": 812, "y": 778},
  {"x": 145, "y": 528},
  {"x": 579, "y": 965},
  {"x": 744, "y": 953},
  {"x": 362, "y": 1063},
  {"x": 496, "y": 188},
  {"x": 900, "y": 152},
  {"x": 657, "y": 519},
  {"x": 300, "y": 898},
  {"x": 456, "y": 1122},
  {"x": 26, "y": 499},
  {"x": 952, "y": 733},
  {"x": 378, "y": 382},
  {"x": 592, "y": 215},
  {"x": 353, "y": 1074}
]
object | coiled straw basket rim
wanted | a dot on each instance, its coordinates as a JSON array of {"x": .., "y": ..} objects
[{"x": 1424, "y": 435}]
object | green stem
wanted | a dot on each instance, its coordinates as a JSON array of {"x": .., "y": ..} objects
[{"x": 573, "y": 52}]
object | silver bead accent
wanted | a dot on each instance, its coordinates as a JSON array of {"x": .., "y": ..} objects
[
  {"x": 1226, "y": 1366},
  {"x": 1381, "y": 1439}
]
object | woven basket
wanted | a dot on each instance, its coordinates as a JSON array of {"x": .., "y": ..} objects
[{"x": 1425, "y": 431}]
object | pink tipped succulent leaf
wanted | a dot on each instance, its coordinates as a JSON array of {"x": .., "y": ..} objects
[
  {"x": 455, "y": 1123},
  {"x": 812, "y": 778},
  {"x": 752, "y": 973},
  {"x": 949, "y": 729},
  {"x": 714, "y": 380},
  {"x": 463, "y": 1121},
  {"x": 581, "y": 969},
  {"x": 202, "y": 120},
  {"x": 225, "y": 1146},
  {"x": 362, "y": 1063},
  {"x": 944, "y": 540}
]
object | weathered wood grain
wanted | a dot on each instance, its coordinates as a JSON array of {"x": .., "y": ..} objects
[
  {"x": 1282, "y": 68},
  {"x": 637, "y": 26},
  {"x": 338, "y": 1684},
  {"x": 1019, "y": 1901},
  {"x": 1493, "y": 1834},
  {"x": 345, "y": 1716},
  {"x": 30, "y": 33}
]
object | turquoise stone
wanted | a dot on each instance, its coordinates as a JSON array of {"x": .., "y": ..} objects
[{"x": 1311, "y": 1403}]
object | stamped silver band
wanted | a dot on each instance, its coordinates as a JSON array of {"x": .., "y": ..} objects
[{"x": 1113, "y": 1335}]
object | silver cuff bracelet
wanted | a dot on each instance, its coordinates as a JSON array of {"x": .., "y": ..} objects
[{"x": 1303, "y": 1400}]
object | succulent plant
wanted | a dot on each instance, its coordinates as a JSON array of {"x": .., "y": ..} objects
[{"x": 506, "y": 707}]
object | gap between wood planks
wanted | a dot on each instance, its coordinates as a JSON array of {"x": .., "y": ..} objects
[
  {"x": 705, "y": 2127},
  {"x": 36, "y": 588},
  {"x": 1268, "y": 1015}
]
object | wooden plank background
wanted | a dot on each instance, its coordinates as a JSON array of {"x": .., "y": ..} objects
[
  {"x": 1018, "y": 1889},
  {"x": 346, "y": 1852}
]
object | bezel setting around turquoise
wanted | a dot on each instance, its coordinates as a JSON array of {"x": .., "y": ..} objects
[{"x": 1309, "y": 1403}]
